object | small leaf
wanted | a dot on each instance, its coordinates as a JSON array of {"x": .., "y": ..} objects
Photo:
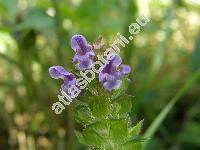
[
  {"x": 134, "y": 131},
  {"x": 83, "y": 115},
  {"x": 96, "y": 89},
  {"x": 89, "y": 138},
  {"x": 101, "y": 128},
  {"x": 99, "y": 106},
  {"x": 122, "y": 105},
  {"x": 118, "y": 130}
]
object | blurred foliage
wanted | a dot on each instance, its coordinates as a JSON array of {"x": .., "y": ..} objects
[{"x": 35, "y": 35}]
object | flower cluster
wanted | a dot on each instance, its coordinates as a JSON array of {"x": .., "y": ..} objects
[
  {"x": 58, "y": 72},
  {"x": 110, "y": 74},
  {"x": 84, "y": 53}
]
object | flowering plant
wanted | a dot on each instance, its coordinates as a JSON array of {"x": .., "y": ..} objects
[{"x": 103, "y": 107}]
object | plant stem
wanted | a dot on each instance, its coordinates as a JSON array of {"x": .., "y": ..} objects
[{"x": 159, "y": 119}]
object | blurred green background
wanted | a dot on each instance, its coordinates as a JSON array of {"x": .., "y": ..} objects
[{"x": 35, "y": 34}]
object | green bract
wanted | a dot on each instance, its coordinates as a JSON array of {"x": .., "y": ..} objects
[{"x": 105, "y": 120}]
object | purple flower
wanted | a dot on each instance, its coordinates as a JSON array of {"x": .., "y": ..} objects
[
  {"x": 112, "y": 73},
  {"x": 84, "y": 53},
  {"x": 58, "y": 72}
]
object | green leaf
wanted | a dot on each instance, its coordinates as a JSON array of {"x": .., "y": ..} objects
[
  {"x": 99, "y": 106},
  {"x": 36, "y": 19},
  {"x": 96, "y": 89},
  {"x": 89, "y": 138},
  {"x": 83, "y": 115},
  {"x": 108, "y": 133},
  {"x": 101, "y": 128},
  {"x": 119, "y": 130},
  {"x": 122, "y": 105},
  {"x": 134, "y": 131}
]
